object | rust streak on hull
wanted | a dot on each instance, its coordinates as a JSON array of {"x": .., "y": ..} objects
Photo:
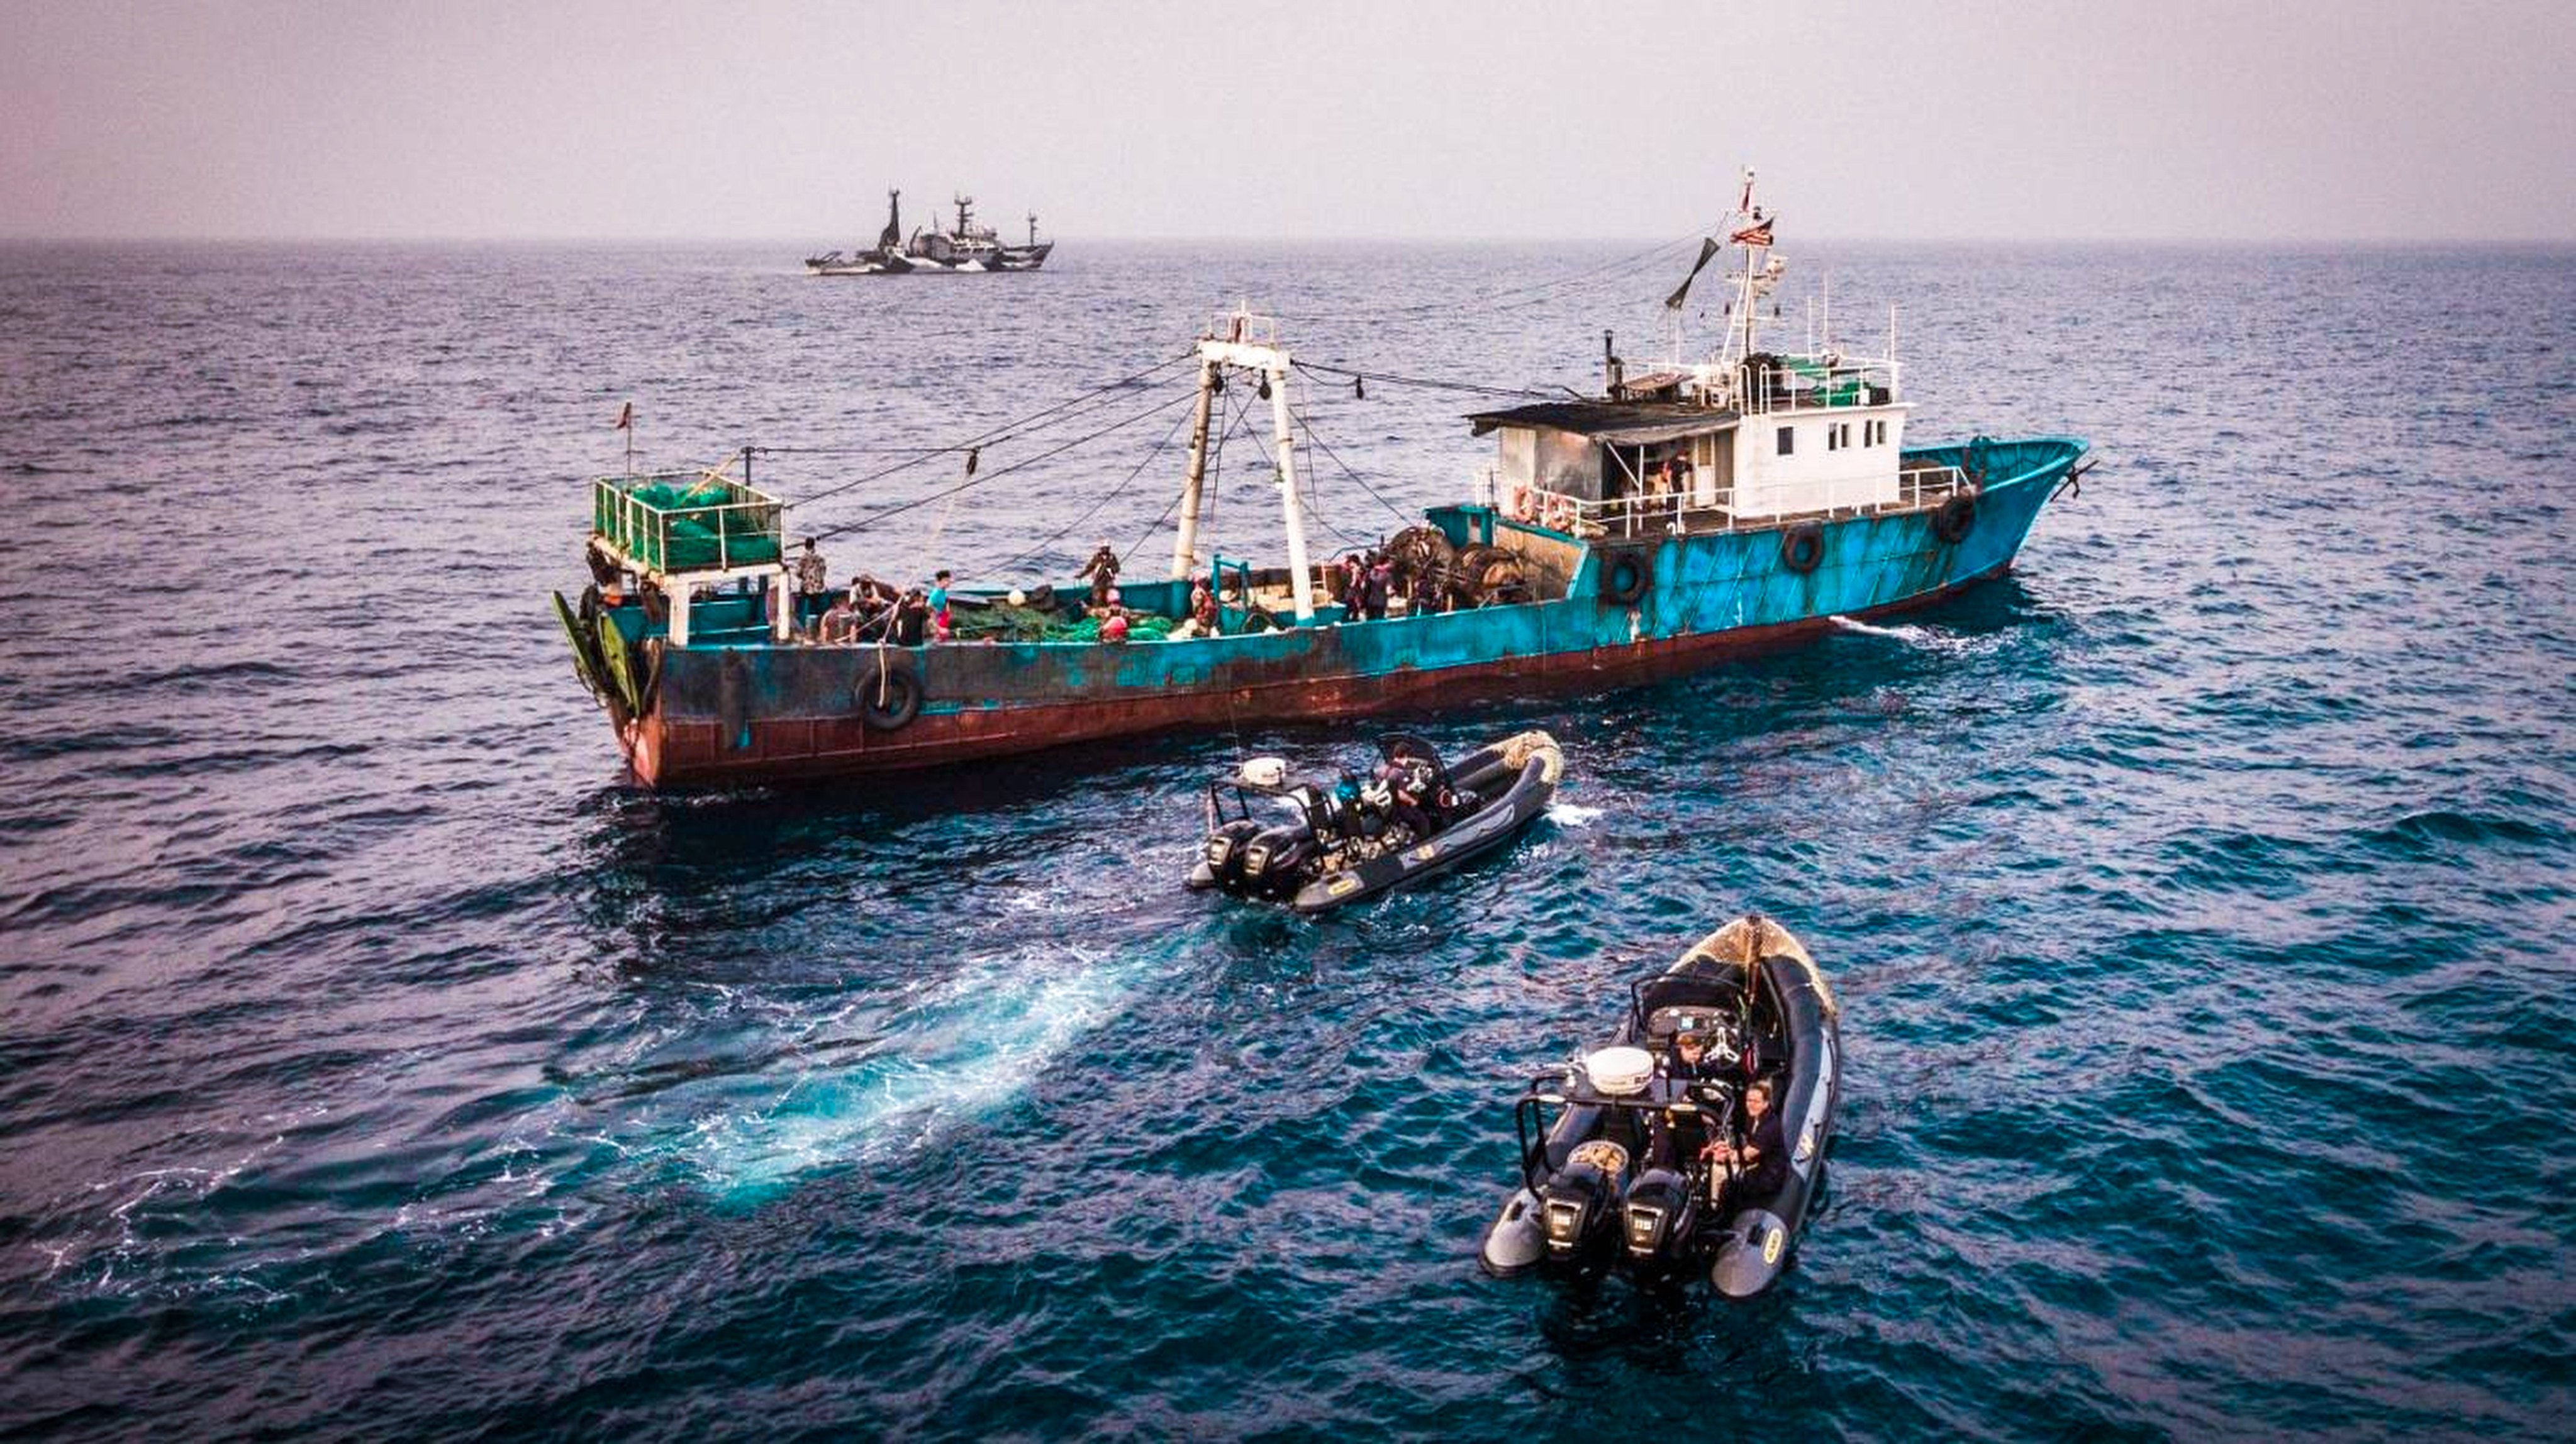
[{"x": 681, "y": 754}]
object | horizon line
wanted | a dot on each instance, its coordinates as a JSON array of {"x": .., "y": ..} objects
[{"x": 2409, "y": 241}]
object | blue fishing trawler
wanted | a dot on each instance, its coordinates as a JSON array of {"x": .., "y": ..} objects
[{"x": 1697, "y": 510}]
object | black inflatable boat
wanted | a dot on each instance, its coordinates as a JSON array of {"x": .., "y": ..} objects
[
  {"x": 1660, "y": 1159},
  {"x": 1319, "y": 845}
]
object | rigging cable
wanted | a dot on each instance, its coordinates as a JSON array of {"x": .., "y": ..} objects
[
  {"x": 999, "y": 435},
  {"x": 1307, "y": 502},
  {"x": 882, "y": 513},
  {"x": 1213, "y": 481},
  {"x": 1530, "y": 292},
  {"x": 1320, "y": 444},
  {"x": 1107, "y": 497},
  {"x": 1434, "y": 383}
]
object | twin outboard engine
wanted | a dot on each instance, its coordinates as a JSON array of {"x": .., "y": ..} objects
[
  {"x": 1225, "y": 850},
  {"x": 1245, "y": 856},
  {"x": 1586, "y": 1193},
  {"x": 1580, "y": 1199}
]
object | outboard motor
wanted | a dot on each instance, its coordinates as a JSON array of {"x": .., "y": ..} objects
[
  {"x": 1577, "y": 1202},
  {"x": 1225, "y": 851},
  {"x": 1658, "y": 1217},
  {"x": 1271, "y": 859},
  {"x": 1585, "y": 1193}
]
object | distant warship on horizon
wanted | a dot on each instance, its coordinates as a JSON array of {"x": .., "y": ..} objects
[{"x": 964, "y": 247}]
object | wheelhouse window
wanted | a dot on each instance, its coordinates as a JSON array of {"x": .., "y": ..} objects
[{"x": 1787, "y": 443}]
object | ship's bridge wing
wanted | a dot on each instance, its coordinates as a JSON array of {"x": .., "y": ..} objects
[{"x": 1614, "y": 423}]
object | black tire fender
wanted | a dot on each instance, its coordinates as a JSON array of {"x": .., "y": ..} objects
[
  {"x": 1624, "y": 576},
  {"x": 1955, "y": 518},
  {"x": 888, "y": 693},
  {"x": 1802, "y": 547}
]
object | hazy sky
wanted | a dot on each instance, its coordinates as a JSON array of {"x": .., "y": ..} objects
[{"x": 1556, "y": 118}]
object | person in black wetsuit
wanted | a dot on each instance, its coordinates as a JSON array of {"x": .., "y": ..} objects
[
  {"x": 1761, "y": 1161},
  {"x": 1408, "y": 784},
  {"x": 1684, "y": 1065},
  {"x": 1688, "y": 1063}
]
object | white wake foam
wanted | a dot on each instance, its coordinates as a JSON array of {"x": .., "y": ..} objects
[
  {"x": 966, "y": 1048},
  {"x": 1917, "y": 636}
]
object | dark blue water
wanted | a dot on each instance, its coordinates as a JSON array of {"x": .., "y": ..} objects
[{"x": 375, "y": 1061}]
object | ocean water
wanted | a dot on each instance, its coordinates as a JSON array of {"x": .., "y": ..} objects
[{"x": 376, "y": 1061}]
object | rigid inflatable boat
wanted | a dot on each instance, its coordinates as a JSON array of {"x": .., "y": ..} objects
[
  {"x": 1318, "y": 845},
  {"x": 1657, "y": 1160}
]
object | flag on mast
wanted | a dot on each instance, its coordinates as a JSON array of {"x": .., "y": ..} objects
[
  {"x": 1756, "y": 234},
  {"x": 626, "y": 417}
]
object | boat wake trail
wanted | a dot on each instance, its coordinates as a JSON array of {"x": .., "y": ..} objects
[
  {"x": 1571, "y": 814},
  {"x": 966, "y": 1048},
  {"x": 1917, "y": 636}
]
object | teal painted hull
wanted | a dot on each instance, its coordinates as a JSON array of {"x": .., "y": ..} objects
[{"x": 755, "y": 712}]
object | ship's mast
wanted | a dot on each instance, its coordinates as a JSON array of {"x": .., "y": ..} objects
[
  {"x": 1744, "y": 298},
  {"x": 1243, "y": 341},
  {"x": 1749, "y": 230}
]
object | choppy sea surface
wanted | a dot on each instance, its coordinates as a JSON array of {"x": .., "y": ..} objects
[{"x": 376, "y": 1060}]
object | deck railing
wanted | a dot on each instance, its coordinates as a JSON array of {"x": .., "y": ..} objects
[
  {"x": 1917, "y": 488},
  {"x": 686, "y": 521},
  {"x": 1803, "y": 383}
]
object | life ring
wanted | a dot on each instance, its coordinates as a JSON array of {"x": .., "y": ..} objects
[
  {"x": 1624, "y": 576},
  {"x": 1516, "y": 501},
  {"x": 1802, "y": 547},
  {"x": 1954, "y": 519},
  {"x": 888, "y": 694}
]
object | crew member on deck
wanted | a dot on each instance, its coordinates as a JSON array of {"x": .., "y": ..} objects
[
  {"x": 1681, "y": 1132},
  {"x": 1373, "y": 584},
  {"x": 941, "y": 625},
  {"x": 840, "y": 623},
  {"x": 1428, "y": 595},
  {"x": 1761, "y": 1161},
  {"x": 1203, "y": 609},
  {"x": 1407, "y": 783},
  {"x": 813, "y": 578},
  {"x": 912, "y": 619},
  {"x": 1102, "y": 572},
  {"x": 1689, "y": 1051}
]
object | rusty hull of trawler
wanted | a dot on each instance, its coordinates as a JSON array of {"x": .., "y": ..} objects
[{"x": 760, "y": 711}]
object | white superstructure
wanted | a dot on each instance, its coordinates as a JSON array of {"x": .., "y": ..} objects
[{"x": 1742, "y": 437}]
